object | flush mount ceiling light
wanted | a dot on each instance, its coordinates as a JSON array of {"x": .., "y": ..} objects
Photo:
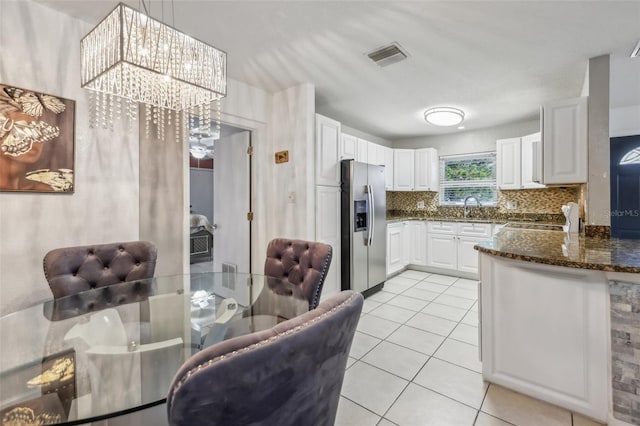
[
  {"x": 130, "y": 57},
  {"x": 444, "y": 116}
]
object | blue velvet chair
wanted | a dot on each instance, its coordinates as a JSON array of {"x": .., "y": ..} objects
[{"x": 290, "y": 374}]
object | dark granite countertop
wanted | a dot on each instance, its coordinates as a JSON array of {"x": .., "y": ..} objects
[
  {"x": 558, "y": 248},
  {"x": 391, "y": 219},
  {"x": 487, "y": 215}
]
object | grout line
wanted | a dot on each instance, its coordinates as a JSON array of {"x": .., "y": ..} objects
[
  {"x": 394, "y": 374},
  {"x": 446, "y": 396},
  {"x": 429, "y": 356},
  {"x": 361, "y": 406}
]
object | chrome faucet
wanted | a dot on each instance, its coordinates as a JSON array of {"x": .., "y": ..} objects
[{"x": 466, "y": 200}]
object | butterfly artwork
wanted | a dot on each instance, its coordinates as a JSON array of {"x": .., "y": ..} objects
[{"x": 36, "y": 135}]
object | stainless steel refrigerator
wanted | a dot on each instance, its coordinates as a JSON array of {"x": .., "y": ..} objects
[{"x": 363, "y": 226}]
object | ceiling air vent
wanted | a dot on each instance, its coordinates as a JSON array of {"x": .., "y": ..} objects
[{"x": 388, "y": 55}]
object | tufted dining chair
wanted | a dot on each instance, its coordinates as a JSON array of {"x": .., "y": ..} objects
[
  {"x": 304, "y": 264},
  {"x": 72, "y": 270},
  {"x": 290, "y": 374}
]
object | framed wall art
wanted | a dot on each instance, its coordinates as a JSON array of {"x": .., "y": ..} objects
[{"x": 37, "y": 136}]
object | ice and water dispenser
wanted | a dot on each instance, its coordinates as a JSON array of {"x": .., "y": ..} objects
[{"x": 360, "y": 215}]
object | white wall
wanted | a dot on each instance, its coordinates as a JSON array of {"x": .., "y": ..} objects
[
  {"x": 481, "y": 140},
  {"x": 291, "y": 127},
  {"x": 624, "y": 121},
  {"x": 39, "y": 50},
  {"x": 624, "y": 86},
  {"x": 598, "y": 199}
]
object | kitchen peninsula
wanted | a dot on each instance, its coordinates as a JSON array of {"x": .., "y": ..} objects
[{"x": 560, "y": 320}]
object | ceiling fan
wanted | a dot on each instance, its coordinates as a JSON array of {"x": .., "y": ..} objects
[{"x": 201, "y": 142}]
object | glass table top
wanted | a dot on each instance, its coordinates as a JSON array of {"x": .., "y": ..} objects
[{"x": 115, "y": 349}]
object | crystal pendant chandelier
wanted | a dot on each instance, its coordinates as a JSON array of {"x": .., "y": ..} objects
[{"x": 130, "y": 58}]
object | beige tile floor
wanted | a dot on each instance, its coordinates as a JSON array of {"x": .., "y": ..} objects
[{"x": 414, "y": 361}]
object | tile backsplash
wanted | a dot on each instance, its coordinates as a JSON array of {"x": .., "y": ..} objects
[{"x": 535, "y": 204}]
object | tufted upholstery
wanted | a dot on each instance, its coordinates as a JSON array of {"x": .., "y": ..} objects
[
  {"x": 101, "y": 298},
  {"x": 72, "y": 270},
  {"x": 303, "y": 263},
  {"x": 290, "y": 374}
]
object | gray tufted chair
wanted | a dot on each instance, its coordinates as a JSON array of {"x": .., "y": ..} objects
[
  {"x": 72, "y": 270},
  {"x": 290, "y": 374},
  {"x": 303, "y": 263}
]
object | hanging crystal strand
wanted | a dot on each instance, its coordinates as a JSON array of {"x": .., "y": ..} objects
[
  {"x": 162, "y": 122},
  {"x": 99, "y": 97},
  {"x": 218, "y": 114},
  {"x": 92, "y": 109},
  {"x": 156, "y": 121},
  {"x": 110, "y": 112},
  {"x": 185, "y": 124},
  {"x": 169, "y": 112},
  {"x": 207, "y": 118},
  {"x": 104, "y": 111},
  {"x": 130, "y": 118},
  {"x": 147, "y": 117},
  {"x": 118, "y": 109},
  {"x": 178, "y": 129}
]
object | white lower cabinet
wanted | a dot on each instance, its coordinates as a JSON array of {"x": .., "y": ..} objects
[
  {"x": 418, "y": 242},
  {"x": 545, "y": 333},
  {"x": 406, "y": 243},
  {"x": 450, "y": 245},
  {"x": 467, "y": 255},
  {"x": 438, "y": 245},
  {"x": 395, "y": 245},
  {"x": 442, "y": 251}
]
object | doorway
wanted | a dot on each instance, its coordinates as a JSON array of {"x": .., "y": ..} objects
[
  {"x": 220, "y": 200},
  {"x": 625, "y": 187}
]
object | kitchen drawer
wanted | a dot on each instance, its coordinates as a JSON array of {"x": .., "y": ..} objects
[
  {"x": 442, "y": 228},
  {"x": 475, "y": 229}
]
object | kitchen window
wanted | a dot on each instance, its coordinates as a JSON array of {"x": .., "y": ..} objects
[{"x": 464, "y": 175}]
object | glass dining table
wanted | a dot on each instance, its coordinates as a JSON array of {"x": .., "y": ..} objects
[{"x": 114, "y": 350}]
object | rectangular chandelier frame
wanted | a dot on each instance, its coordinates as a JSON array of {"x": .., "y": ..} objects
[{"x": 135, "y": 57}]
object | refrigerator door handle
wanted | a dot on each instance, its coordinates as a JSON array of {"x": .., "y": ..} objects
[{"x": 371, "y": 215}]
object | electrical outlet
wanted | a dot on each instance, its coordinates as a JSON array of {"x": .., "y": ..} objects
[
  {"x": 512, "y": 205},
  {"x": 420, "y": 205}
]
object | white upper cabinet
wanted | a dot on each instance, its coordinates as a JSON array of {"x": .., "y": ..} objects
[
  {"x": 361, "y": 150},
  {"x": 403, "y": 164},
  {"x": 388, "y": 167},
  {"x": 327, "y": 151},
  {"x": 348, "y": 147},
  {"x": 564, "y": 141},
  {"x": 531, "y": 161},
  {"x": 508, "y": 159},
  {"x": 375, "y": 154},
  {"x": 519, "y": 162},
  {"x": 426, "y": 170}
]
